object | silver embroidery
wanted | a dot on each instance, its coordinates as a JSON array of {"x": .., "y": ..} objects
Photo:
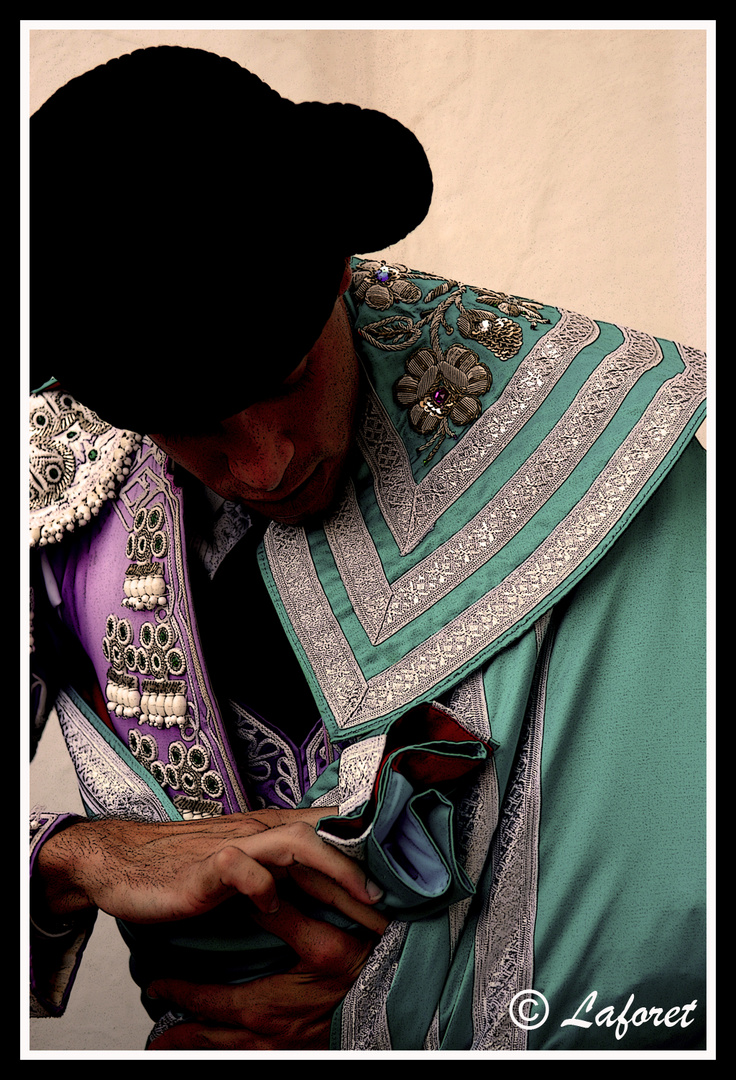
[
  {"x": 107, "y": 785},
  {"x": 359, "y": 563},
  {"x": 359, "y": 766},
  {"x": 269, "y": 757},
  {"x": 364, "y": 1019},
  {"x": 229, "y": 524},
  {"x": 411, "y": 509},
  {"x": 312, "y": 618},
  {"x": 320, "y": 754}
]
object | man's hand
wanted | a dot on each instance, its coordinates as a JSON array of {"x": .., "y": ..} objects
[
  {"x": 292, "y": 1011},
  {"x": 149, "y": 873}
]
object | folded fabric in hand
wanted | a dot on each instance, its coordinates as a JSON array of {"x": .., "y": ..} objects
[{"x": 401, "y": 823}]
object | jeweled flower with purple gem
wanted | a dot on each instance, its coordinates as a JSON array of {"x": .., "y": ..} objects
[{"x": 442, "y": 388}]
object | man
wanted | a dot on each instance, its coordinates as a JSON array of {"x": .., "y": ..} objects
[{"x": 411, "y": 562}]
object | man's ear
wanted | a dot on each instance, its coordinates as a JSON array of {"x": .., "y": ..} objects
[{"x": 347, "y": 277}]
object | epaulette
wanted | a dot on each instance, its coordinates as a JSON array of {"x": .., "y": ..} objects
[{"x": 77, "y": 462}]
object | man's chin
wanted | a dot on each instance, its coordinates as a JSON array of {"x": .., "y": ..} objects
[{"x": 307, "y": 508}]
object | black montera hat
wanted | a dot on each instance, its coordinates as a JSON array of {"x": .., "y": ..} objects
[{"x": 189, "y": 227}]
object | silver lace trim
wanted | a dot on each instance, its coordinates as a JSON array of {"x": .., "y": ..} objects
[
  {"x": 355, "y": 700},
  {"x": 504, "y": 940}
]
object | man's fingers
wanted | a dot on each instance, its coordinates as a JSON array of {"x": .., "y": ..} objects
[
  {"x": 241, "y": 866},
  {"x": 238, "y": 872},
  {"x": 300, "y": 1000},
  {"x": 221, "y": 1003},
  {"x": 322, "y": 947},
  {"x": 330, "y": 893},
  {"x": 297, "y": 844},
  {"x": 275, "y": 816}
]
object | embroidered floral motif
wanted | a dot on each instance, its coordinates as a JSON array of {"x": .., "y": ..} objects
[
  {"x": 439, "y": 390},
  {"x": 276, "y": 770},
  {"x": 380, "y": 286},
  {"x": 440, "y": 387},
  {"x": 77, "y": 462}
]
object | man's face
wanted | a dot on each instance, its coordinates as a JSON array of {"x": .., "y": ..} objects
[{"x": 284, "y": 457}]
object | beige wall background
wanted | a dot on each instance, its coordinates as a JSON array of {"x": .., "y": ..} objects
[{"x": 569, "y": 167}]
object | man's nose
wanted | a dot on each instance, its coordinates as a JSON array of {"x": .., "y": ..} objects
[{"x": 261, "y": 454}]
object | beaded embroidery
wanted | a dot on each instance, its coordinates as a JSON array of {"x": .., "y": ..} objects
[
  {"x": 187, "y": 769},
  {"x": 144, "y": 584},
  {"x": 146, "y": 680},
  {"x": 162, "y": 702},
  {"x": 77, "y": 462},
  {"x": 440, "y": 386}
]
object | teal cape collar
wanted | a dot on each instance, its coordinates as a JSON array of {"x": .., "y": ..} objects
[{"x": 462, "y": 526}]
